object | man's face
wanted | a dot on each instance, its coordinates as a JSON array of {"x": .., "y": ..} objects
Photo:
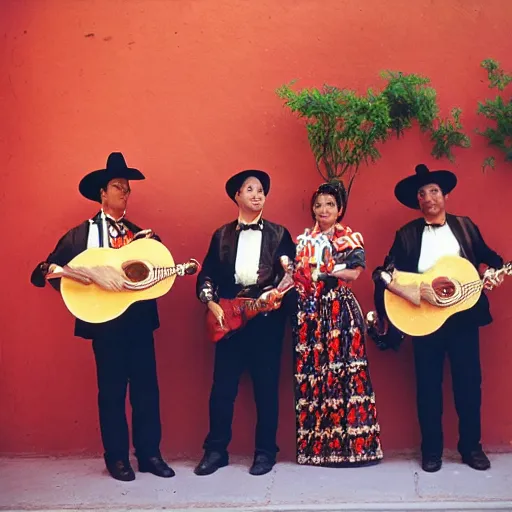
[
  {"x": 116, "y": 194},
  {"x": 251, "y": 197},
  {"x": 431, "y": 200}
]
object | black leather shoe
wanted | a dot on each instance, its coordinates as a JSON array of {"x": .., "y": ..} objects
[
  {"x": 211, "y": 462},
  {"x": 477, "y": 460},
  {"x": 120, "y": 470},
  {"x": 431, "y": 463},
  {"x": 157, "y": 466},
  {"x": 262, "y": 464}
]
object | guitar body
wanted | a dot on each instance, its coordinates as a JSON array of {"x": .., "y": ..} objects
[
  {"x": 236, "y": 316},
  {"x": 428, "y": 318},
  {"x": 238, "y": 311},
  {"x": 96, "y": 305}
]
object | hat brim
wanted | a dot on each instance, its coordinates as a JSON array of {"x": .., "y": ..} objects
[
  {"x": 234, "y": 183},
  {"x": 91, "y": 184},
  {"x": 406, "y": 190}
]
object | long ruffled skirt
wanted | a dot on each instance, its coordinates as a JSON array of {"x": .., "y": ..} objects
[{"x": 335, "y": 403}]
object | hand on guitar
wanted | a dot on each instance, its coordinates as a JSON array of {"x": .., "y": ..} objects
[
  {"x": 492, "y": 278},
  {"x": 218, "y": 312},
  {"x": 106, "y": 277},
  {"x": 56, "y": 272},
  {"x": 384, "y": 275},
  {"x": 144, "y": 233}
]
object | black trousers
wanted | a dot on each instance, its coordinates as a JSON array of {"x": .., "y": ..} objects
[
  {"x": 256, "y": 348},
  {"x": 123, "y": 359},
  {"x": 460, "y": 340}
]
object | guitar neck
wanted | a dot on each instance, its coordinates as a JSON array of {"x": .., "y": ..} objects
[{"x": 164, "y": 272}]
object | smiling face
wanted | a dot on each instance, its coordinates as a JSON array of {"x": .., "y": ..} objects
[
  {"x": 431, "y": 201},
  {"x": 326, "y": 211},
  {"x": 114, "y": 198},
  {"x": 251, "y": 197}
]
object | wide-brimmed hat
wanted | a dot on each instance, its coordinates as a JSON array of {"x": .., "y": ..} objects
[
  {"x": 91, "y": 184},
  {"x": 406, "y": 190},
  {"x": 234, "y": 183}
]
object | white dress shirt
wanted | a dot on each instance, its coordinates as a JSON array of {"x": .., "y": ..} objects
[
  {"x": 435, "y": 243},
  {"x": 248, "y": 252}
]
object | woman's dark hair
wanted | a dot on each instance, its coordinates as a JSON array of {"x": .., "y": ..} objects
[{"x": 335, "y": 189}]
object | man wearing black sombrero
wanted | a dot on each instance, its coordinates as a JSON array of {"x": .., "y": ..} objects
[
  {"x": 245, "y": 255},
  {"x": 124, "y": 347},
  {"x": 416, "y": 248}
]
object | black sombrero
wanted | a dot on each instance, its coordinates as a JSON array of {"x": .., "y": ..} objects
[
  {"x": 406, "y": 190},
  {"x": 91, "y": 184},
  {"x": 234, "y": 183}
]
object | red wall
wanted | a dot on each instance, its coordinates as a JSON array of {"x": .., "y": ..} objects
[{"x": 186, "y": 90}]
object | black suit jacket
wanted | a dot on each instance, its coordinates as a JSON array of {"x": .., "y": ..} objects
[
  {"x": 405, "y": 254},
  {"x": 218, "y": 270},
  {"x": 142, "y": 315}
]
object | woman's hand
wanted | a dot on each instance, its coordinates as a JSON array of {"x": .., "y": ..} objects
[{"x": 217, "y": 311}]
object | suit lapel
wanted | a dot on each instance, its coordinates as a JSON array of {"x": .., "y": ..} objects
[
  {"x": 462, "y": 237},
  {"x": 229, "y": 245},
  {"x": 413, "y": 246},
  {"x": 79, "y": 241},
  {"x": 266, "y": 256}
]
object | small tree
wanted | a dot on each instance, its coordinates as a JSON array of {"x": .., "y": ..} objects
[
  {"x": 499, "y": 111},
  {"x": 345, "y": 128}
]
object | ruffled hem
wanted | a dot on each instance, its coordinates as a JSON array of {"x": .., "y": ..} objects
[{"x": 317, "y": 460}]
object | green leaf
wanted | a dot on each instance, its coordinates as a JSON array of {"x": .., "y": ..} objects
[{"x": 498, "y": 112}]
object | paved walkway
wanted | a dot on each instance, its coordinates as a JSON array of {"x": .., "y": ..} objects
[{"x": 395, "y": 484}]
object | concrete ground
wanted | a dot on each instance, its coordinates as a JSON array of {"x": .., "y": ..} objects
[{"x": 53, "y": 484}]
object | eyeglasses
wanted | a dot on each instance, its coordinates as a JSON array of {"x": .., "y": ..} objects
[{"x": 121, "y": 188}]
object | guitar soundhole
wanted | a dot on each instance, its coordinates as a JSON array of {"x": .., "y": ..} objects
[
  {"x": 443, "y": 287},
  {"x": 136, "y": 271}
]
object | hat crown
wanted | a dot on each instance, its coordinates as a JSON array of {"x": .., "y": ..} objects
[
  {"x": 116, "y": 161},
  {"x": 406, "y": 190},
  {"x": 116, "y": 167},
  {"x": 421, "y": 170},
  {"x": 234, "y": 183}
]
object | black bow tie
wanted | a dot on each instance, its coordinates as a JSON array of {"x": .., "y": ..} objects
[
  {"x": 434, "y": 226},
  {"x": 243, "y": 227},
  {"x": 117, "y": 225}
]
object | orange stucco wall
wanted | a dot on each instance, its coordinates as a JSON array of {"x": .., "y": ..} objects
[{"x": 186, "y": 90}]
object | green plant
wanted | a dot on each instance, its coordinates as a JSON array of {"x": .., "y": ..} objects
[
  {"x": 499, "y": 111},
  {"x": 497, "y": 76},
  {"x": 409, "y": 98},
  {"x": 344, "y": 128},
  {"x": 446, "y": 133}
]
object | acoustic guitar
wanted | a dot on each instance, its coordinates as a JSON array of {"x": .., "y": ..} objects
[
  {"x": 238, "y": 311},
  {"x": 419, "y": 304},
  {"x": 147, "y": 270}
]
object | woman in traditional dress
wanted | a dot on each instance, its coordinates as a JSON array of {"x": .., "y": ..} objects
[{"x": 335, "y": 403}]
